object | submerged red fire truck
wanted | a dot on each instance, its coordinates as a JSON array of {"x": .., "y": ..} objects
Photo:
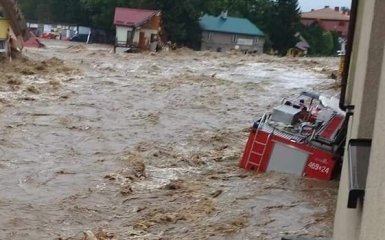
[{"x": 304, "y": 137}]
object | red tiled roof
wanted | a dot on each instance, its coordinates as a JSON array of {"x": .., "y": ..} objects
[
  {"x": 326, "y": 14},
  {"x": 132, "y": 17}
]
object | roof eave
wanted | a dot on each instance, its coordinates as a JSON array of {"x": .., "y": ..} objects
[
  {"x": 144, "y": 21},
  {"x": 249, "y": 34}
]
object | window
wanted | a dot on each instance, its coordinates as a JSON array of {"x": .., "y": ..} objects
[
  {"x": 129, "y": 36},
  {"x": 210, "y": 36},
  {"x": 235, "y": 37}
]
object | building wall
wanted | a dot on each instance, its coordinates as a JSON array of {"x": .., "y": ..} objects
[
  {"x": 330, "y": 25},
  {"x": 367, "y": 94},
  {"x": 153, "y": 26},
  {"x": 373, "y": 219},
  {"x": 122, "y": 33},
  {"x": 4, "y": 26},
  {"x": 341, "y": 27},
  {"x": 214, "y": 41},
  {"x": 147, "y": 34}
]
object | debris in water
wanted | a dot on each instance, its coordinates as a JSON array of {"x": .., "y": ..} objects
[
  {"x": 174, "y": 185},
  {"x": 33, "y": 89},
  {"x": 216, "y": 193}
]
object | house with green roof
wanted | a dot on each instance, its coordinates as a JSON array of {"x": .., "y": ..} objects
[{"x": 225, "y": 33}]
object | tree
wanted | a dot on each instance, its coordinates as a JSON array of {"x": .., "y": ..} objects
[
  {"x": 313, "y": 34},
  {"x": 278, "y": 19},
  {"x": 71, "y": 11},
  {"x": 100, "y": 12},
  {"x": 328, "y": 44},
  {"x": 38, "y": 10},
  {"x": 182, "y": 20},
  {"x": 322, "y": 43},
  {"x": 53, "y": 11},
  {"x": 336, "y": 42},
  {"x": 283, "y": 24}
]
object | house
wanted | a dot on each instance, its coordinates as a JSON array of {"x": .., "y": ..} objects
[
  {"x": 137, "y": 27},
  {"x": 329, "y": 19},
  {"x": 224, "y": 33},
  {"x": 302, "y": 46},
  {"x": 300, "y": 49}
]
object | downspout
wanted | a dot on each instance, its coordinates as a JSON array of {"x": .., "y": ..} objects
[{"x": 349, "y": 49}]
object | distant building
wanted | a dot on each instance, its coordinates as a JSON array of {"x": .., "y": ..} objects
[
  {"x": 329, "y": 19},
  {"x": 224, "y": 33},
  {"x": 137, "y": 27},
  {"x": 301, "y": 48}
]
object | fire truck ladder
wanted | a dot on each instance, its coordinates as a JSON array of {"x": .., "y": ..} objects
[{"x": 254, "y": 159}]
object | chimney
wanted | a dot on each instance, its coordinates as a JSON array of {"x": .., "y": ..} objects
[
  {"x": 337, "y": 9},
  {"x": 224, "y": 15},
  {"x": 326, "y": 6}
]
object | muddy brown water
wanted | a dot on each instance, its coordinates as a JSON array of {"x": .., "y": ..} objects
[{"x": 146, "y": 147}]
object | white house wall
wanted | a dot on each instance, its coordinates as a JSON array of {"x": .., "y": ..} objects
[
  {"x": 147, "y": 34},
  {"x": 121, "y": 33}
]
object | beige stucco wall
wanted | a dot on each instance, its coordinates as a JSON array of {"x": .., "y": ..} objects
[
  {"x": 365, "y": 20},
  {"x": 364, "y": 81},
  {"x": 373, "y": 221},
  {"x": 373, "y": 67}
]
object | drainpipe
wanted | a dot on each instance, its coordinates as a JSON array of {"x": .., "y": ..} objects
[{"x": 349, "y": 48}]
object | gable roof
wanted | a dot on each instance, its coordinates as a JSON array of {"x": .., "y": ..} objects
[
  {"x": 326, "y": 14},
  {"x": 132, "y": 17},
  {"x": 302, "y": 44},
  {"x": 229, "y": 25}
]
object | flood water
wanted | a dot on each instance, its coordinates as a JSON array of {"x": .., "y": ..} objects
[{"x": 146, "y": 146}]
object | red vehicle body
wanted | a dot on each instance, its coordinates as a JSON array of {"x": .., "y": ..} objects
[{"x": 297, "y": 141}]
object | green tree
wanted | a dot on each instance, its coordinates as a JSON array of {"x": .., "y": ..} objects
[
  {"x": 336, "y": 42},
  {"x": 100, "y": 12},
  {"x": 38, "y": 10},
  {"x": 277, "y": 18},
  {"x": 322, "y": 43},
  {"x": 71, "y": 11},
  {"x": 328, "y": 44},
  {"x": 283, "y": 24},
  {"x": 53, "y": 11},
  {"x": 182, "y": 20}
]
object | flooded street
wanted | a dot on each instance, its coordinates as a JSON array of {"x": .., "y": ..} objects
[{"x": 146, "y": 146}]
